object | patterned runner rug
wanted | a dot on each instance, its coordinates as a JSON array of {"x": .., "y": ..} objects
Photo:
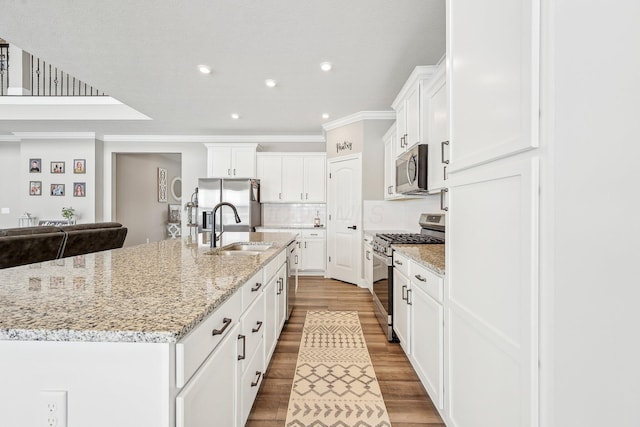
[{"x": 334, "y": 384}]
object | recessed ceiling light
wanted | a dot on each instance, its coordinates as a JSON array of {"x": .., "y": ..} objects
[
  {"x": 325, "y": 116},
  {"x": 270, "y": 83},
  {"x": 325, "y": 66},
  {"x": 235, "y": 116},
  {"x": 204, "y": 69}
]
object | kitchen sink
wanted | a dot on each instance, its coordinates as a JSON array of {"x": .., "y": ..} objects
[{"x": 242, "y": 249}]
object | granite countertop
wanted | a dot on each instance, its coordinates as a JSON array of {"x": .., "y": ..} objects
[
  {"x": 155, "y": 292},
  {"x": 430, "y": 256}
]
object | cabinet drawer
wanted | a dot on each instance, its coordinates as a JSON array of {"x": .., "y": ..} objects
[
  {"x": 271, "y": 268},
  {"x": 252, "y": 289},
  {"x": 426, "y": 280},
  {"x": 318, "y": 234},
  {"x": 401, "y": 263},
  {"x": 193, "y": 349},
  {"x": 250, "y": 383},
  {"x": 252, "y": 326}
]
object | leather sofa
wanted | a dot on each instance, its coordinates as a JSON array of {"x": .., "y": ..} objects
[{"x": 27, "y": 245}]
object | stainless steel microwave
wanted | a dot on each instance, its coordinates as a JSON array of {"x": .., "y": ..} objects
[{"x": 411, "y": 171}]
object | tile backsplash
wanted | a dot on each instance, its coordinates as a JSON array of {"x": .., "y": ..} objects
[{"x": 287, "y": 214}]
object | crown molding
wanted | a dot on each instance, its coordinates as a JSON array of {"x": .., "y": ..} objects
[
  {"x": 421, "y": 72},
  {"x": 55, "y": 135},
  {"x": 362, "y": 115},
  {"x": 215, "y": 138}
]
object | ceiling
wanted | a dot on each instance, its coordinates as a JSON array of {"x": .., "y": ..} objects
[{"x": 146, "y": 53}]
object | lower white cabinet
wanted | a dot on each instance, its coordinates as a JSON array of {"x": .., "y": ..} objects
[
  {"x": 313, "y": 248},
  {"x": 281, "y": 296},
  {"x": 427, "y": 343},
  {"x": 401, "y": 309},
  {"x": 209, "y": 397},
  {"x": 275, "y": 293}
]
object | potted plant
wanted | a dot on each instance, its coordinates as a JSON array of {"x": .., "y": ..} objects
[{"x": 67, "y": 213}]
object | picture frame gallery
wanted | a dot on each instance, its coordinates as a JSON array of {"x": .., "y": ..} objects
[{"x": 57, "y": 188}]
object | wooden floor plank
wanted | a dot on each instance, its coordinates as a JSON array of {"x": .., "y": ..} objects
[{"x": 405, "y": 398}]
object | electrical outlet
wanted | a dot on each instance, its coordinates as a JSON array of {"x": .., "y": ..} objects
[
  {"x": 53, "y": 408},
  {"x": 5, "y": 210}
]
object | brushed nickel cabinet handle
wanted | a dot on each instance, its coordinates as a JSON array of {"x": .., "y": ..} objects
[
  {"x": 419, "y": 277},
  {"x": 444, "y": 173},
  {"x": 234, "y": 171},
  {"x": 229, "y": 172},
  {"x": 408, "y": 301},
  {"x": 442, "y": 206},
  {"x": 258, "y": 285},
  {"x": 280, "y": 196},
  {"x": 244, "y": 347},
  {"x": 404, "y": 288},
  {"x": 397, "y": 262},
  {"x": 226, "y": 322},
  {"x": 442, "y": 144}
]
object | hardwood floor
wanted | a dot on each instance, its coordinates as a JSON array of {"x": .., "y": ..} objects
[{"x": 406, "y": 400}]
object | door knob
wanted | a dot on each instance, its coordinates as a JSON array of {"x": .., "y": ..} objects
[{"x": 353, "y": 227}]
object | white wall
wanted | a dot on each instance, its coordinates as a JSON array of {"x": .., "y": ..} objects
[
  {"x": 590, "y": 229},
  {"x": 10, "y": 166},
  {"x": 137, "y": 205}
]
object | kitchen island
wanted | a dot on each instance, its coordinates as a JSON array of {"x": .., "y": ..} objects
[{"x": 115, "y": 329}]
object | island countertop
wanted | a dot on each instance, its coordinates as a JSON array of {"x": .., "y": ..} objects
[{"x": 154, "y": 292}]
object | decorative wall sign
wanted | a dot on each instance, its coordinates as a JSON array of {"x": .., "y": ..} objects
[
  {"x": 162, "y": 185},
  {"x": 342, "y": 146}
]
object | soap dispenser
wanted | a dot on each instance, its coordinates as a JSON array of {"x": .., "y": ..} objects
[{"x": 316, "y": 220}]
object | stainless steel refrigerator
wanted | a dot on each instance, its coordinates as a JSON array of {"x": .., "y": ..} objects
[{"x": 244, "y": 194}]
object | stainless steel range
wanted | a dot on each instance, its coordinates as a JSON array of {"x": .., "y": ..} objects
[{"x": 433, "y": 232}]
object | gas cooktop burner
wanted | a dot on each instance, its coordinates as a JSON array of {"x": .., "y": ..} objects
[{"x": 407, "y": 238}]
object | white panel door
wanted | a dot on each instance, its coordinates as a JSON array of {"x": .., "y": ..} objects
[
  {"x": 493, "y": 49},
  {"x": 401, "y": 310},
  {"x": 270, "y": 318},
  {"x": 209, "y": 398},
  {"x": 281, "y": 295},
  {"x": 313, "y": 254},
  {"x": 315, "y": 179},
  {"x": 401, "y": 128},
  {"x": 219, "y": 162},
  {"x": 243, "y": 162},
  {"x": 344, "y": 228},
  {"x": 413, "y": 117},
  {"x": 491, "y": 303},
  {"x": 437, "y": 107},
  {"x": 390, "y": 165},
  {"x": 293, "y": 179},
  {"x": 427, "y": 344},
  {"x": 270, "y": 175}
]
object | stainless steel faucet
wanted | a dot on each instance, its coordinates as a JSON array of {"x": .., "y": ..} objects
[{"x": 213, "y": 218}]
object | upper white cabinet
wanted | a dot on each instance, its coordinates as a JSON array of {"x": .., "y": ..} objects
[
  {"x": 494, "y": 71},
  {"x": 436, "y": 107},
  {"x": 292, "y": 177},
  {"x": 409, "y": 115},
  {"x": 231, "y": 160},
  {"x": 389, "y": 140}
]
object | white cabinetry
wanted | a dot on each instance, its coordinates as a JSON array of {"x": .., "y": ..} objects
[
  {"x": 231, "y": 161},
  {"x": 401, "y": 301},
  {"x": 367, "y": 262},
  {"x": 292, "y": 177},
  {"x": 313, "y": 250},
  {"x": 275, "y": 277},
  {"x": 436, "y": 106},
  {"x": 408, "y": 108},
  {"x": 389, "y": 140}
]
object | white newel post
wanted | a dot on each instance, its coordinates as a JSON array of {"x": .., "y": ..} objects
[{"x": 19, "y": 72}]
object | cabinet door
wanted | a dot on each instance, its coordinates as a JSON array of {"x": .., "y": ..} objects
[
  {"x": 210, "y": 397},
  {"x": 427, "y": 349},
  {"x": 281, "y": 294},
  {"x": 390, "y": 167},
  {"x": 367, "y": 262},
  {"x": 243, "y": 162},
  {"x": 492, "y": 301},
  {"x": 401, "y": 309},
  {"x": 314, "y": 179},
  {"x": 401, "y": 129},
  {"x": 292, "y": 179},
  {"x": 270, "y": 319},
  {"x": 438, "y": 130},
  {"x": 313, "y": 254},
  {"x": 270, "y": 175},
  {"x": 413, "y": 117},
  {"x": 219, "y": 162}
]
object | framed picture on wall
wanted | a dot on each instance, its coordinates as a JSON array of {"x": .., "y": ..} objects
[
  {"x": 35, "y": 188},
  {"x": 57, "y": 167},
  {"x": 35, "y": 165},
  {"x": 79, "y": 189},
  {"x": 174, "y": 214},
  {"x": 57, "y": 189},
  {"x": 79, "y": 166}
]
